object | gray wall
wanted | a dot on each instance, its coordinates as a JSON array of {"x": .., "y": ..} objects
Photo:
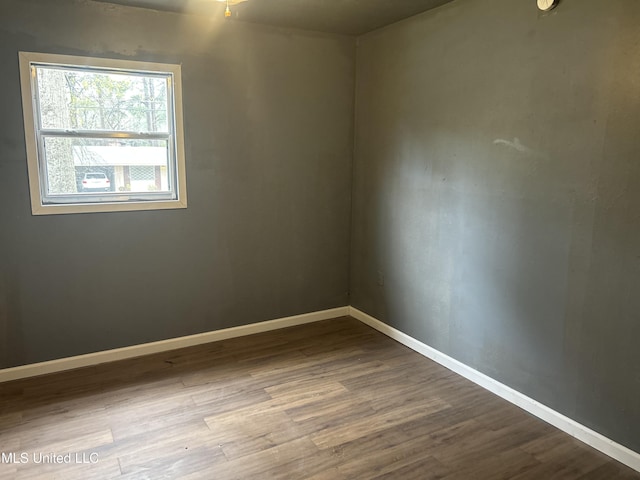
[
  {"x": 268, "y": 132},
  {"x": 497, "y": 192}
]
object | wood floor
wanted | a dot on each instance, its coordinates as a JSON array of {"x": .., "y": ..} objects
[{"x": 331, "y": 400}]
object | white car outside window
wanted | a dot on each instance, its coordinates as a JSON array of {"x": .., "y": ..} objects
[{"x": 96, "y": 181}]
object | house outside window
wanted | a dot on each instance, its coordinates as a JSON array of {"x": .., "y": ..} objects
[{"x": 102, "y": 134}]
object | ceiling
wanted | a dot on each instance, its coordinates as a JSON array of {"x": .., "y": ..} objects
[{"x": 350, "y": 17}]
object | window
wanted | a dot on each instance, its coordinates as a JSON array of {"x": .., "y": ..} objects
[{"x": 102, "y": 135}]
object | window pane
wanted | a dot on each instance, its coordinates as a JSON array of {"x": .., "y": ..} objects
[
  {"x": 90, "y": 165},
  {"x": 94, "y": 100}
]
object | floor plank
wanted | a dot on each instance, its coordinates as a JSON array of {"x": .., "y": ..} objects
[{"x": 330, "y": 400}]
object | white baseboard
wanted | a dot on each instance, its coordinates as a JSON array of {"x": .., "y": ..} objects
[
  {"x": 89, "y": 359},
  {"x": 590, "y": 437}
]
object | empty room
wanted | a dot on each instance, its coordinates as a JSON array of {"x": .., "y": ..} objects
[{"x": 314, "y": 239}]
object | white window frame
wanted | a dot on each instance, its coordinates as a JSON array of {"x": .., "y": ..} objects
[{"x": 115, "y": 202}]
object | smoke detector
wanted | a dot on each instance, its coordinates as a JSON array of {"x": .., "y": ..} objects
[{"x": 546, "y": 5}]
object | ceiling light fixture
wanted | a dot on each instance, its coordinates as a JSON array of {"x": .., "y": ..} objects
[{"x": 227, "y": 11}]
